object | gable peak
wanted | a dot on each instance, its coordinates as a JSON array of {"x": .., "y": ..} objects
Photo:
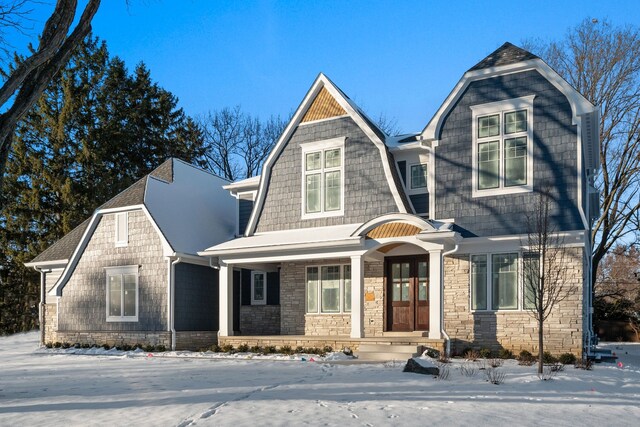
[{"x": 504, "y": 55}]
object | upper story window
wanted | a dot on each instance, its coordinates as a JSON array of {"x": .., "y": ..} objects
[
  {"x": 122, "y": 293},
  {"x": 323, "y": 178},
  {"x": 419, "y": 176},
  {"x": 503, "y": 147},
  {"x": 122, "y": 229}
]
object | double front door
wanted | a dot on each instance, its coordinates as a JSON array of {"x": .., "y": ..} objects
[{"x": 407, "y": 293}]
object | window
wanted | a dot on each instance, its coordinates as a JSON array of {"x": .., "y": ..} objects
[
  {"x": 494, "y": 282},
  {"x": 531, "y": 279},
  {"x": 122, "y": 229},
  {"x": 122, "y": 294},
  {"x": 258, "y": 288},
  {"x": 418, "y": 176},
  {"x": 329, "y": 289},
  {"x": 323, "y": 178},
  {"x": 502, "y": 148}
]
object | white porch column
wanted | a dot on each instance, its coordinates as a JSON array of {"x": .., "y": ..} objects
[
  {"x": 357, "y": 296},
  {"x": 226, "y": 300},
  {"x": 435, "y": 294}
]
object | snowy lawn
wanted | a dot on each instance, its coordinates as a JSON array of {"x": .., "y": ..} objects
[{"x": 44, "y": 388}]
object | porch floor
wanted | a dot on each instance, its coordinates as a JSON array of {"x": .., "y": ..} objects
[{"x": 337, "y": 342}]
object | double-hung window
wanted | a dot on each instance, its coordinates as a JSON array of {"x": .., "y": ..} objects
[
  {"x": 502, "y": 147},
  {"x": 122, "y": 293},
  {"x": 419, "y": 176},
  {"x": 258, "y": 288},
  {"x": 495, "y": 281},
  {"x": 328, "y": 289},
  {"x": 323, "y": 178}
]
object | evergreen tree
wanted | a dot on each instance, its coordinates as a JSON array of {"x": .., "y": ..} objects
[{"x": 94, "y": 131}]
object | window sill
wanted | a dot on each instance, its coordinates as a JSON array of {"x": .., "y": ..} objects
[
  {"x": 318, "y": 215},
  {"x": 502, "y": 311},
  {"x": 502, "y": 191},
  {"x": 337, "y": 313},
  {"x": 258, "y": 303},
  {"x": 122, "y": 245},
  {"x": 122, "y": 319}
]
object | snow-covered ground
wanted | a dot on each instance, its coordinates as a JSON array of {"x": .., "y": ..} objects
[{"x": 52, "y": 388}]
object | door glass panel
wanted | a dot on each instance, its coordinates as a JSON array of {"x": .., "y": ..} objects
[{"x": 422, "y": 281}]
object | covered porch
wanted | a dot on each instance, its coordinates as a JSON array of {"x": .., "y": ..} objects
[{"x": 387, "y": 273}]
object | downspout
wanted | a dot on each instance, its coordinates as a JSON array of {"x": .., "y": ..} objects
[
  {"x": 172, "y": 301},
  {"x": 443, "y": 331},
  {"x": 42, "y": 304}
]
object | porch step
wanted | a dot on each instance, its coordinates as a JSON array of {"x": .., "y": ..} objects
[{"x": 388, "y": 352}]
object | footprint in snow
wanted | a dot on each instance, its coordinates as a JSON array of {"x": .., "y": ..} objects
[{"x": 322, "y": 404}]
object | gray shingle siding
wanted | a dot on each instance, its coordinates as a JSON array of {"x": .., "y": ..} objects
[
  {"x": 367, "y": 192},
  {"x": 196, "y": 298},
  {"x": 420, "y": 202},
  {"x": 555, "y": 159}
]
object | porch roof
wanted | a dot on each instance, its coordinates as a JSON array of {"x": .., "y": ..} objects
[{"x": 333, "y": 236}]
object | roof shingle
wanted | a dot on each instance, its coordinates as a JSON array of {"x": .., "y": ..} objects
[{"x": 504, "y": 55}]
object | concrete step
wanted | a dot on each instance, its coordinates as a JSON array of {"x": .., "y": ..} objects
[
  {"x": 386, "y": 356},
  {"x": 387, "y": 352},
  {"x": 382, "y": 348},
  {"x": 406, "y": 334}
]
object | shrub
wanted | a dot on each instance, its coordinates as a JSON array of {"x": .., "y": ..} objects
[
  {"x": 472, "y": 355},
  {"x": 525, "y": 358},
  {"x": 485, "y": 353},
  {"x": 468, "y": 369},
  {"x": 243, "y": 348},
  {"x": 567, "y": 358},
  {"x": 86, "y": 345},
  {"x": 443, "y": 372},
  {"x": 138, "y": 346},
  {"x": 327, "y": 349},
  {"x": 586, "y": 364},
  {"x": 66, "y": 345},
  {"x": 256, "y": 349},
  {"x": 107, "y": 346},
  {"x": 49, "y": 344},
  {"x": 77, "y": 345},
  {"x": 299, "y": 349},
  {"x": 269, "y": 349},
  {"x": 494, "y": 376},
  {"x": 548, "y": 358},
  {"x": 126, "y": 347},
  {"x": 495, "y": 362},
  {"x": 161, "y": 348},
  {"x": 286, "y": 349},
  {"x": 148, "y": 348},
  {"x": 215, "y": 348},
  {"x": 347, "y": 351},
  {"x": 505, "y": 354},
  {"x": 444, "y": 359}
]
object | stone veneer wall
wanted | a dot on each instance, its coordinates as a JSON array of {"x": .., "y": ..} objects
[
  {"x": 114, "y": 338},
  {"x": 198, "y": 340},
  {"x": 50, "y": 322},
  {"x": 514, "y": 330},
  {"x": 82, "y": 306},
  {"x": 260, "y": 319},
  {"x": 374, "y": 310},
  {"x": 327, "y": 324}
]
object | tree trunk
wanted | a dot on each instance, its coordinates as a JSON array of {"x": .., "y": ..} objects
[{"x": 540, "y": 346}]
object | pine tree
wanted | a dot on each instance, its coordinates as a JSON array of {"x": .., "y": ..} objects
[{"x": 95, "y": 130}]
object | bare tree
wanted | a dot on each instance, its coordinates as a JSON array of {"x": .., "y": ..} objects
[
  {"x": 29, "y": 78},
  {"x": 545, "y": 266},
  {"x": 603, "y": 63},
  {"x": 388, "y": 125},
  {"x": 237, "y": 143}
]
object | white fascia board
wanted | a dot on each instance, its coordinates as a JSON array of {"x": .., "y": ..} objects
[
  {"x": 121, "y": 209},
  {"x": 293, "y": 256},
  {"x": 280, "y": 247},
  {"x": 248, "y": 184},
  {"x": 517, "y": 241},
  {"x": 48, "y": 264},
  {"x": 579, "y": 104},
  {"x": 190, "y": 259},
  {"x": 418, "y": 145}
]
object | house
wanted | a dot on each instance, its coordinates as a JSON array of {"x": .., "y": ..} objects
[
  {"x": 351, "y": 237},
  {"x": 131, "y": 274}
]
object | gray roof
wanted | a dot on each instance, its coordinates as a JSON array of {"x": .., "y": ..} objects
[
  {"x": 134, "y": 195},
  {"x": 504, "y": 55}
]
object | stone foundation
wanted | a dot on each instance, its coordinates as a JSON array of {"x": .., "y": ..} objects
[
  {"x": 327, "y": 324},
  {"x": 114, "y": 338},
  {"x": 195, "y": 340},
  {"x": 260, "y": 319}
]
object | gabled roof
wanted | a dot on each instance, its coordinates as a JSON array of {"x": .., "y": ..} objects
[
  {"x": 504, "y": 55},
  {"x": 377, "y": 136},
  {"x": 63, "y": 248}
]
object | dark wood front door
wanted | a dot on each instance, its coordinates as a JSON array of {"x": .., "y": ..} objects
[{"x": 407, "y": 293}]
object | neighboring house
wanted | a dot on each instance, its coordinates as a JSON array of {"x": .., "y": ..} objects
[
  {"x": 350, "y": 236},
  {"x": 131, "y": 274}
]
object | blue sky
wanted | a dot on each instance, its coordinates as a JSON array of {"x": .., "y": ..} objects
[{"x": 398, "y": 58}]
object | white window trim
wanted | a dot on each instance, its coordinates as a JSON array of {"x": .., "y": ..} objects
[
  {"x": 418, "y": 190},
  {"x": 520, "y": 284},
  {"x": 319, "y": 290},
  {"x": 254, "y": 301},
  {"x": 118, "y": 220},
  {"x": 118, "y": 271},
  {"x": 501, "y": 107},
  {"x": 309, "y": 147}
]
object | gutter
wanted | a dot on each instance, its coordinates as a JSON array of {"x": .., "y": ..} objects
[
  {"x": 42, "y": 299},
  {"x": 442, "y": 330}
]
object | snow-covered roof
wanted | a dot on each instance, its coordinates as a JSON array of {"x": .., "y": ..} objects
[
  {"x": 247, "y": 184},
  {"x": 311, "y": 237}
]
